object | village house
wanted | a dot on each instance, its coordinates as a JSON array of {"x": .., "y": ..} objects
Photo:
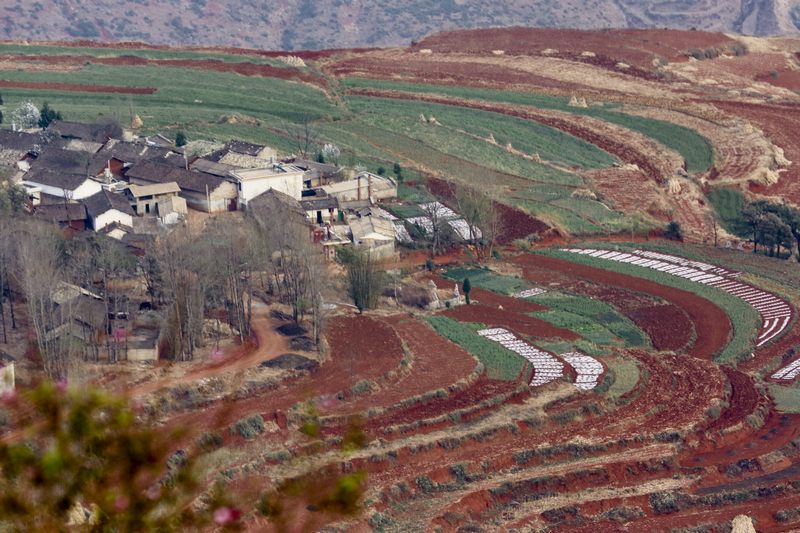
[
  {"x": 202, "y": 191},
  {"x": 106, "y": 208},
  {"x": 285, "y": 178},
  {"x": 316, "y": 174},
  {"x": 17, "y": 149},
  {"x": 159, "y": 199},
  {"x": 365, "y": 186},
  {"x": 273, "y": 206},
  {"x": 62, "y": 175},
  {"x": 70, "y": 217},
  {"x": 375, "y": 234},
  {"x": 322, "y": 209},
  {"x": 94, "y": 133},
  {"x": 115, "y": 156},
  {"x": 79, "y": 315}
]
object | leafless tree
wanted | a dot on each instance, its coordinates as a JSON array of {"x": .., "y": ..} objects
[
  {"x": 365, "y": 279},
  {"x": 40, "y": 274},
  {"x": 304, "y": 135},
  {"x": 482, "y": 217},
  {"x": 438, "y": 229}
]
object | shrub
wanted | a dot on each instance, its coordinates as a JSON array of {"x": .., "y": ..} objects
[
  {"x": 248, "y": 427},
  {"x": 414, "y": 296},
  {"x": 209, "y": 440}
]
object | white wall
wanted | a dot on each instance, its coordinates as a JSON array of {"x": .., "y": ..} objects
[
  {"x": 111, "y": 216},
  {"x": 86, "y": 189},
  {"x": 290, "y": 183}
]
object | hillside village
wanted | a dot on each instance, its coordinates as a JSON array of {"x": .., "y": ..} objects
[{"x": 101, "y": 179}]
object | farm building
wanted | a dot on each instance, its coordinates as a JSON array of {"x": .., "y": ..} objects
[
  {"x": 106, "y": 208},
  {"x": 70, "y": 217},
  {"x": 365, "y": 186},
  {"x": 281, "y": 177},
  {"x": 374, "y": 233},
  {"x": 95, "y": 133},
  {"x": 322, "y": 209},
  {"x": 158, "y": 199},
  {"x": 316, "y": 174},
  {"x": 202, "y": 191},
  {"x": 63, "y": 174},
  {"x": 273, "y": 205}
]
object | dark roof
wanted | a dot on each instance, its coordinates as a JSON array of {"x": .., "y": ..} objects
[
  {"x": 64, "y": 180},
  {"x": 60, "y": 160},
  {"x": 99, "y": 133},
  {"x": 322, "y": 169},
  {"x": 242, "y": 147},
  {"x": 18, "y": 140},
  {"x": 131, "y": 153},
  {"x": 273, "y": 200},
  {"x": 313, "y": 204},
  {"x": 99, "y": 203},
  {"x": 187, "y": 180},
  {"x": 60, "y": 212}
]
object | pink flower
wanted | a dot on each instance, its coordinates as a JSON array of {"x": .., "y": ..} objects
[
  {"x": 61, "y": 385},
  {"x": 121, "y": 503},
  {"x": 226, "y": 515},
  {"x": 217, "y": 355}
]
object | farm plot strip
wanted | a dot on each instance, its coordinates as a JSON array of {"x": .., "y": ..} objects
[
  {"x": 546, "y": 368},
  {"x": 776, "y": 313},
  {"x": 587, "y": 368}
]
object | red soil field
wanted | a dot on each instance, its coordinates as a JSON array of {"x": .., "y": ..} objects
[
  {"x": 520, "y": 324},
  {"x": 74, "y": 87},
  {"x": 667, "y": 326},
  {"x": 779, "y": 123},
  {"x": 707, "y": 317},
  {"x": 636, "y": 47},
  {"x": 743, "y": 400},
  {"x": 514, "y": 224},
  {"x": 437, "y": 363}
]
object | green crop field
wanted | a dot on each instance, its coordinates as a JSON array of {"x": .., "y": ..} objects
[
  {"x": 728, "y": 203},
  {"x": 500, "y": 363},
  {"x": 745, "y": 319},
  {"x": 594, "y": 320},
  {"x": 486, "y": 279},
  {"x": 695, "y": 149}
]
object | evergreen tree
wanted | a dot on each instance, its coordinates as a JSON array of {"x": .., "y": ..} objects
[
  {"x": 467, "y": 287},
  {"x": 180, "y": 139}
]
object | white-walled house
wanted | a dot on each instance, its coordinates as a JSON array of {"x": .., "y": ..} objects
[
  {"x": 202, "y": 191},
  {"x": 106, "y": 208},
  {"x": 62, "y": 185},
  {"x": 284, "y": 178}
]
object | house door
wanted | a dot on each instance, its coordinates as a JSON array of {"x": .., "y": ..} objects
[
  {"x": 319, "y": 217},
  {"x": 232, "y": 205}
]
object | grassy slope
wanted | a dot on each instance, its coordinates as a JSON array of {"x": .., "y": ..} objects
[
  {"x": 486, "y": 279},
  {"x": 695, "y": 149}
]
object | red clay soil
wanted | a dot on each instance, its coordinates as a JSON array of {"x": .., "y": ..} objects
[
  {"x": 668, "y": 326},
  {"x": 437, "y": 363},
  {"x": 779, "y": 123},
  {"x": 635, "y": 47},
  {"x": 743, "y": 399},
  {"x": 360, "y": 347},
  {"x": 571, "y": 125},
  {"x": 451, "y": 73},
  {"x": 514, "y": 223},
  {"x": 518, "y": 323},
  {"x": 75, "y": 87},
  {"x": 711, "y": 322},
  {"x": 244, "y": 68}
]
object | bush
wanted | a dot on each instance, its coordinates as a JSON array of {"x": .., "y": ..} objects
[
  {"x": 209, "y": 440},
  {"x": 248, "y": 427},
  {"x": 673, "y": 231},
  {"x": 414, "y": 296}
]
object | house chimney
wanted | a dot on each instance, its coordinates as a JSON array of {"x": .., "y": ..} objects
[
  {"x": 358, "y": 179},
  {"x": 369, "y": 187}
]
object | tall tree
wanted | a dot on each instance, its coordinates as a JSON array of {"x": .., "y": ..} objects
[{"x": 365, "y": 279}]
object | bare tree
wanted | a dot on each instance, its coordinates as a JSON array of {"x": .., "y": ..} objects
[
  {"x": 365, "y": 279},
  {"x": 304, "y": 135},
  {"x": 40, "y": 274},
  {"x": 483, "y": 219},
  {"x": 435, "y": 213}
]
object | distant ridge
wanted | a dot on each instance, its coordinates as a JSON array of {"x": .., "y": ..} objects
[{"x": 316, "y": 24}]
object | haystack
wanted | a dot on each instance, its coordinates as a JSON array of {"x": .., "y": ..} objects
[
  {"x": 780, "y": 158},
  {"x": 422, "y": 119},
  {"x": 136, "y": 122},
  {"x": 742, "y": 524},
  {"x": 674, "y": 186},
  {"x": 491, "y": 139}
]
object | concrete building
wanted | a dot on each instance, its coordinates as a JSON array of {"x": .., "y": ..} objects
[
  {"x": 281, "y": 177},
  {"x": 366, "y": 186},
  {"x": 202, "y": 191},
  {"x": 106, "y": 208}
]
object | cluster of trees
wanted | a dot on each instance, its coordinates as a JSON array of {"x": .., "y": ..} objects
[{"x": 774, "y": 227}]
